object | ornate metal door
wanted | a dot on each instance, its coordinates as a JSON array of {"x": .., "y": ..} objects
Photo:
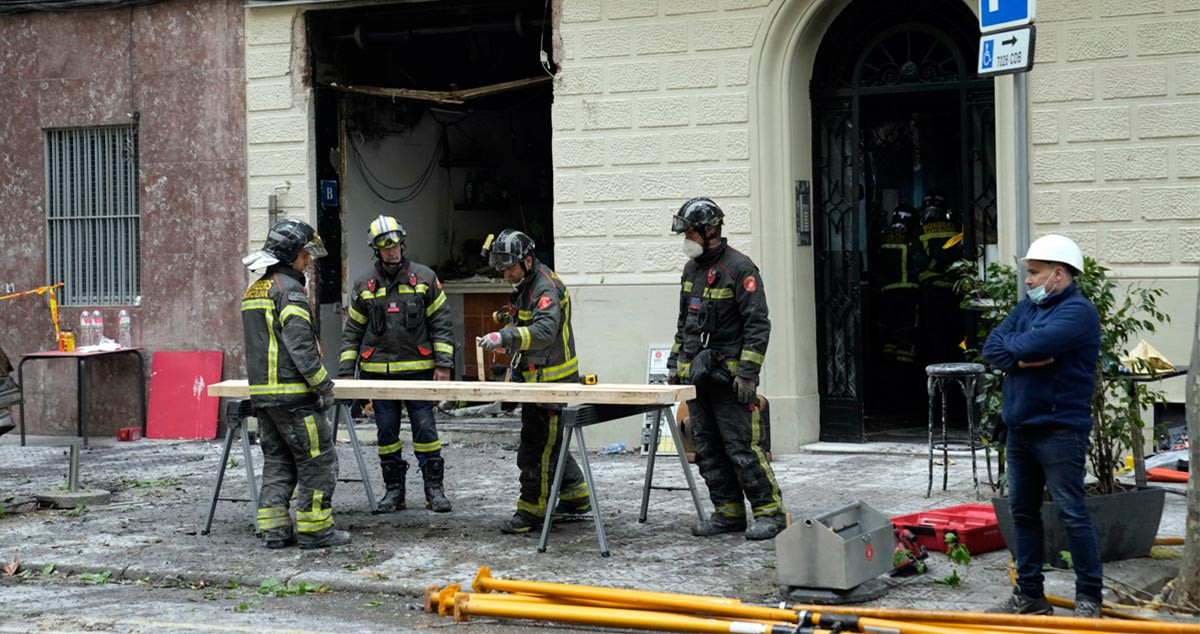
[{"x": 839, "y": 329}]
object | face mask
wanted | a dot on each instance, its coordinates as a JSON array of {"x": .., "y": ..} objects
[
  {"x": 1039, "y": 294},
  {"x": 691, "y": 249}
]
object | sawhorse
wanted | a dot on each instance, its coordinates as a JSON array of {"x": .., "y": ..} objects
[
  {"x": 236, "y": 413},
  {"x": 580, "y": 416}
]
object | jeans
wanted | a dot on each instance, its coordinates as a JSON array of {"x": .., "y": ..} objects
[{"x": 1054, "y": 458}]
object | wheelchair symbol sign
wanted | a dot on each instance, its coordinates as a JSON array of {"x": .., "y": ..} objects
[{"x": 988, "y": 54}]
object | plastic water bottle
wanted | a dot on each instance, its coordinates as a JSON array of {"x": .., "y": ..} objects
[
  {"x": 97, "y": 327},
  {"x": 85, "y": 329},
  {"x": 124, "y": 329}
]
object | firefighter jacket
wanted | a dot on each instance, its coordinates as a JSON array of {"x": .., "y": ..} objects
[
  {"x": 723, "y": 307},
  {"x": 540, "y": 332},
  {"x": 397, "y": 324},
  {"x": 931, "y": 256},
  {"x": 896, "y": 268},
  {"x": 283, "y": 361}
]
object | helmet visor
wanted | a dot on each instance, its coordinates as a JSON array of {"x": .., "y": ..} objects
[
  {"x": 316, "y": 247},
  {"x": 501, "y": 261},
  {"x": 679, "y": 224},
  {"x": 387, "y": 240}
]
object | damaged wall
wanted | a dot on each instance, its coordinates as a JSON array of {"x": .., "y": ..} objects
[{"x": 180, "y": 65}]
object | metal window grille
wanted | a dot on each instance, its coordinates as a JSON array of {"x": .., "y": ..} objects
[{"x": 92, "y": 215}]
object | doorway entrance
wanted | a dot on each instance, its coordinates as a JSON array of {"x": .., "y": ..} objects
[
  {"x": 904, "y": 184},
  {"x": 436, "y": 113}
]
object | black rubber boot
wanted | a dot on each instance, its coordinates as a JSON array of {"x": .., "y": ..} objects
[
  {"x": 334, "y": 538},
  {"x": 432, "y": 472},
  {"x": 718, "y": 524},
  {"x": 766, "y": 527},
  {"x": 394, "y": 472}
]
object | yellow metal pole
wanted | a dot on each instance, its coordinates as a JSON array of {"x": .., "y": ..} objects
[
  {"x": 970, "y": 629},
  {"x": 485, "y": 582},
  {"x": 1026, "y": 620},
  {"x": 467, "y": 605}
]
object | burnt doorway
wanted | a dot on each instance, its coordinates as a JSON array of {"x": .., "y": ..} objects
[{"x": 904, "y": 183}]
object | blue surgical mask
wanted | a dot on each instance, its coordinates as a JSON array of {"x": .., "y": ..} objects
[{"x": 1039, "y": 294}]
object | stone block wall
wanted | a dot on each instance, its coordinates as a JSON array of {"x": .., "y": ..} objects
[{"x": 1115, "y": 131}]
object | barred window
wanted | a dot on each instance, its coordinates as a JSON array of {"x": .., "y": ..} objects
[{"x": 92, "y": 215}]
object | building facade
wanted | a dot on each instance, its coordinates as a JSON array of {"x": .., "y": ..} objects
[{"x": 781, "y": 111}]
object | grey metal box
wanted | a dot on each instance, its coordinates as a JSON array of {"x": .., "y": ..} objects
[{"x": 837, "y": 550}]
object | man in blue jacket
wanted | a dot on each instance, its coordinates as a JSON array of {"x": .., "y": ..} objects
[{"x": 1049, "y": 347}]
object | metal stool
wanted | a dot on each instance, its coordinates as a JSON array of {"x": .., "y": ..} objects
[{"x": 965, "y": 375}]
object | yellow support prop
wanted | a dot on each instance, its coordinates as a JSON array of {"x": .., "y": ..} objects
[{"x": 977, "y": 619}]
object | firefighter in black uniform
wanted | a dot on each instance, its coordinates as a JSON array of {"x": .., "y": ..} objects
[
  {"x": 898, "y": 289},
  {"x": 542, "y": 347},
  {"x": 720, "y": 344},
  {"x": 938, "y": 246},
  {"x": 399, "y": 328},
  {"x": 291, "y": 393}
]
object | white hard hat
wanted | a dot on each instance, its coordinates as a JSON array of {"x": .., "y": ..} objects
[{"x": 1056, "y": 248}]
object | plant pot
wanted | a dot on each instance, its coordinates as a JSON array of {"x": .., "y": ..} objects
[{"x": 1126, "y": 524}]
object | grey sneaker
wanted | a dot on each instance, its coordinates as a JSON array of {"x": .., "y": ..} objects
[
  {"x": 334, "y": 538},
  {"x": 1087, "y": 607},
  {"x": 1018, "y": 603},
  {"x": 718, "y": 524},
  {"x": 766, "y": 527}
]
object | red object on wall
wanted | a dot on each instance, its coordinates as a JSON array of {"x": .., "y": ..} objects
[
  {"x": 129, "y": 434},
  {"x": 180, "y": 406},
  {"x": 975, "y": 525}
]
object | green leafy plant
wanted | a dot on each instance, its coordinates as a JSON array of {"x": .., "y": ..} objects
[
  {"x": 98, "y": 577},
  {"x": 146, "y": 484},
  {"x": 77, "y": 511},
  {"x": 1117, "y": 402},
  {"x": 957, "y": 553},
  {"x": 1065, "y": 555}
]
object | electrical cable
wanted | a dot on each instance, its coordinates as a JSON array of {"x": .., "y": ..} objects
[{"x": 417, "y": 187}]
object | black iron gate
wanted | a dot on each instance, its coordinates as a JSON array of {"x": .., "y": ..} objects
[{"x": 884, "y": 47}]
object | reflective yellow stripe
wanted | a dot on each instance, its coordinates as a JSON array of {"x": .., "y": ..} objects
[
  {"x": 366, "y": 294},
  {"x": 687, "y": 287},
  {"x": 524, "y": 315},
  {"x": 676, "y": 348},
  {"x": 272, "y": 511},
  {"x": 574, "y": 493},
  {"x": 718, "y": 293},
  {"x": 525, "y": 340},
  {"x": 272, "y": 351},
  {"x": 273, "y": 517},
  {"x": 314, "y": 441},
  {"x": 732, "y": 364},
  {"x": 552, "y": 372},
  {"x": 685, "y": 369},
  {"x": 752, "y": 357},
  {"x": 731, "y": 510},
  {"x": 437, "y": 303},
  {"x": 258, "y": 304},
  {"x": 756, "y": 446},
  {"x": 397, "y": 366},
  {"x": 317, "y": 378},
  {"x": 280, "y": 388},
  {"x": 280, "y": 522},
  {"x": 358, "y": 317},
  {"x": 545, "y": 469},
  {"x": 295, "y": 311},
  {"x": 314, "y": 520},
  {"x": 889, "y": 287},
  {"x": 392, "y": 448},
  {"x": 426, "y": 447},
  {"x": 537, "y": 510},
  {"x": 439, "y": 346},
  {"x": 348, "y": 355}
]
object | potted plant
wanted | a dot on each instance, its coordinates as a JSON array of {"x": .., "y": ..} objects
[{"x": 1126, "y": 517}]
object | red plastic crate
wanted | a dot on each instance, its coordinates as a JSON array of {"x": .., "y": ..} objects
[{"x": 975, "y": 525}]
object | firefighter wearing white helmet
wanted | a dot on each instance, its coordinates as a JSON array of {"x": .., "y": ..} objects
[
  {"x": 1049, "y": 348},
  {"x": 399, "y": 329}
]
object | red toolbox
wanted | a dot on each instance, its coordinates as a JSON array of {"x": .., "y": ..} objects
[{"x": 974, "y": 524}]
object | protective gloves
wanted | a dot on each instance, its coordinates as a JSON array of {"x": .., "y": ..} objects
[
  {"x": 745, "y": 389},
  {"x": 325, "y": 396},
  {"x": 492, "y": 341},
  {"x": 672, "y": 376},
  {"x": 441, "y": 374}
]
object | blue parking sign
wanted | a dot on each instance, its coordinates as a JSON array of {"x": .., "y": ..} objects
[
  {"x": 989, "y": 54},
  {"x": 998, "y": 15}
]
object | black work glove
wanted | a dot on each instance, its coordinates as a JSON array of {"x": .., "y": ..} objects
[
  {"x": 325, "y": 396},
  {"x": 672, "y": 376},
  {"x": 745, "y": 389}
]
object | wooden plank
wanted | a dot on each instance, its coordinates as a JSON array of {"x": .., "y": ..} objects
[{"x": 568, "y": 393}]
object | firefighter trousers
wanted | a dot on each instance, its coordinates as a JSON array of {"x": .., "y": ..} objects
[
  {"x": 387, "y": 423},
  {"x": 537, "y": 458},
  {"x": 729, "y": 453},
  {"x": 298, "y": 455}
]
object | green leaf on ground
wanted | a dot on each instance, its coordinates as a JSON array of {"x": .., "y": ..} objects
[
  {"x": 98, "y": 577},
  {"x": 1066, "y": 557},
  {"x": 145, "y": 484},
  {"x": 77, "y": 511},
  {"x": 952, "y": 581}
]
